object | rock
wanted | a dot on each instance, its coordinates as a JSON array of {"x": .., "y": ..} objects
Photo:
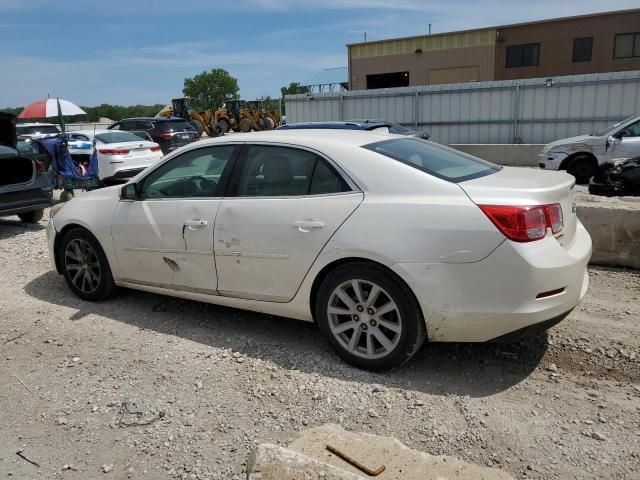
[
  {"x": 61, "y": 421},
  {"x": 75, "y": 359},
  {"x": 419, "y": 403},
  {"x": 599, "y": 436},
  {"x": 199, "y": 384},
  {"x": 552, "y": 368},
  {"x": 271, "y": 462},
  {"x": 372, "y": 413},
  {"x": 401, "y": 462},
  {"x": 107, "y": 468}
]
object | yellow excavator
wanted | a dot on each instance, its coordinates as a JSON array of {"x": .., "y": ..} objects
[{"x": 204, "y": 121}]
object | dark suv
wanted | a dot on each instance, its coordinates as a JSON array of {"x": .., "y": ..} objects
[
  {"x": 368, "y": 125},
  {"x": 168, "y": 132}
]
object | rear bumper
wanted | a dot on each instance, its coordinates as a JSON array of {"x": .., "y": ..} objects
[
  {"x": 22, "y": 201},
  {"x": 485, "y": 300}
]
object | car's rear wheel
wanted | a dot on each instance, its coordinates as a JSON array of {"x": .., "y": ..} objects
[
  {"x": 582, "y": 167},
  {"x": 85, "y": 266},
  {"x": 31, "y": 217},
  {"x": 370, "y": 318}
]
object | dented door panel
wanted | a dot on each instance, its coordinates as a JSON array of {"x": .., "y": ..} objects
[{"x": 153, "y": 241}]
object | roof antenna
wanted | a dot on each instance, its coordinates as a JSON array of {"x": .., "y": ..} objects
[
  {"x": 365, "y": 36},
  {"x": 429, "y": 29}
]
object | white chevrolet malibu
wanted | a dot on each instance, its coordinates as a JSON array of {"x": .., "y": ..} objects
[{"x": 382, "y": 240}]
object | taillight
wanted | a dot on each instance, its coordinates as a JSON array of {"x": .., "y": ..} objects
[
  {"x": 525, "y": 223},
  {"x": 155, "y": 148},
  {"x": 40, "y": 167},
  {"x": 165, "y": 136},
  {"x": 554, "y": 217},
  {"x": 114, "y": 151}
]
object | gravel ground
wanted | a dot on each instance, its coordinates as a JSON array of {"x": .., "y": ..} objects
[{"x": 145, "y": 386}]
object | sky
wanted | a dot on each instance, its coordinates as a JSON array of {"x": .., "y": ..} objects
[{"x": 140, "y": 51}]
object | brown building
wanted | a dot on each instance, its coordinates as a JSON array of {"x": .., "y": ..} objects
[{"x": 603, "y": 42}]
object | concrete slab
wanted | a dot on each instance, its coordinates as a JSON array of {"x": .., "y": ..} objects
[
  {"x": 272, "y": 462},
  {"x": 401, "y": 462}
]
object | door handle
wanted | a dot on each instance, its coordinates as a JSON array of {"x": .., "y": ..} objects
[
  {"x": 193, "y": 224},
  {"x": 305, "y": 226}
]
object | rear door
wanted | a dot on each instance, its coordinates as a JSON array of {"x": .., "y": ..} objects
[{"x": 285, "y": 203}]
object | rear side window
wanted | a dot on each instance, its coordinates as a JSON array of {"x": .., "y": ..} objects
[
  {"x": 270, "y": 171},
  {"x": 437, "y": 160}
]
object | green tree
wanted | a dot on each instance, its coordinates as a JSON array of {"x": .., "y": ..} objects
[
  {"x": 293, "y": 89},
  {"x": 210, "y": 89}
]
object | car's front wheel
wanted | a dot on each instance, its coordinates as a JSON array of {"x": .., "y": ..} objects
[
  {"x": 370, "y": 318},
  {"x": 85, "y": 266}
]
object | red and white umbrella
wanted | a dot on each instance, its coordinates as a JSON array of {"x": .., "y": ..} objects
[{"x": 48, "y": 107}]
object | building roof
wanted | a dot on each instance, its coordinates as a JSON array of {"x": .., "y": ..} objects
[
  {"x": 497, "y": 27},
  {"x": 329, "y": 76}
]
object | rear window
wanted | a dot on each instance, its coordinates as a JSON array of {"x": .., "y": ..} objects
[
  {"x": 176, "y": 126},
  {"x": 36, "y": 129},
  {"x": 118, "y": 136},
  {"x": 437, "y": 160}
]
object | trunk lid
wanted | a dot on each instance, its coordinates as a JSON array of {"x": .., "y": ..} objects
[{"x": 525, "y": 186}]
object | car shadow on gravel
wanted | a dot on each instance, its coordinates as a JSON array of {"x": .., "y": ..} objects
[
  {"x": 476, "y": 369},
  {"x": 10, "y": 228}
]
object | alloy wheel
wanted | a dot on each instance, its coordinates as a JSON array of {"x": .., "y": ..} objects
[
  {"x": 364, "y": 319},
  {"x": 82, "y": 265}
]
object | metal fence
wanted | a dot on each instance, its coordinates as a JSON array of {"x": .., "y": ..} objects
[{"x": 534, "y": 110}]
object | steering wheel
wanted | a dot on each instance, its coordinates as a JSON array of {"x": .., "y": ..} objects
[{"x": 204, "y": 184}]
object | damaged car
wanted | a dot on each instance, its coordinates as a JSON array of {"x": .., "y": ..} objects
[
  {"x": 580, "y": 156},
  {"x": 618, "y": 177},
  {"x": 25, "y": 186}
]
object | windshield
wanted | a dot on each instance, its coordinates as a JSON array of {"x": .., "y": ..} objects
[
  {"x": 36, "y": 129},
  {"x": 607, "y": 131},
  {"x": 437, "y": 160},
  {"x": 118, "y": 136}
]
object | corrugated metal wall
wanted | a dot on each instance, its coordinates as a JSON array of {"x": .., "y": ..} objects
[{"x": 511, "y": 111}]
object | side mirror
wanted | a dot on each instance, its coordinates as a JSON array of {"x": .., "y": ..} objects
[
  {"x": 129, "y": 191},
  {"x": 620, "y": 134}
]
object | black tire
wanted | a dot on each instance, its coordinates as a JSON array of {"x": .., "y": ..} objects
[
  {"x": 66, "y": 195},
  {"x": 245, "y": 125},
  {"x": 583, "y": 168},
  {"x": 407, "y": 316},
  {"x": 224, "y": 124},
  {"x": 31, "y": 217},
  {"x": 101, "y": 288}
]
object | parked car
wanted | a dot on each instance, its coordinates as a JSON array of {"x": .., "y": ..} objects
[
  {"x": 168, "y": 132},
  {"x": 25, "y": 186},
  {"x": 617, "y": 178},
  {"x": 382, "y": 239},
  {"x": 121, "y": 155},
  {"x": 368, "y": 125},
  {"x": 581, "y": 155},
  {"x": 36, "y": 130}
]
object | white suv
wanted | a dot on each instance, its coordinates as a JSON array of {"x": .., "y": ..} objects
[{"x": 36, "y": 130}]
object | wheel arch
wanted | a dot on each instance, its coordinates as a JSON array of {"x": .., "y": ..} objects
[
  {"x": 60, "y": 235},
  {"x": 328, "y": 268},
  {"x": 565, "y": 163}
]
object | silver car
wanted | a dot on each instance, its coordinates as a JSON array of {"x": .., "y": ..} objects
[{"x": 581, "y": 155}]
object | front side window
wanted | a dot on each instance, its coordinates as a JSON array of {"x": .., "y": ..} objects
[
  {"x": 627, "y": 45},
  {"x": 582, "y": 49},
  {"x": 270, "y": 171},
  {"x": 523, "y": 55},
  {"x": 437, "y": 160},
  {"x": 632, "y": 130},
  {"x": 194, "y": 174}
]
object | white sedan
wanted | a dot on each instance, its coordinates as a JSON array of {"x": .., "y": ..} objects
[
  {"x": 121, "y": 155},
  {"x": 382, "y": 240}
]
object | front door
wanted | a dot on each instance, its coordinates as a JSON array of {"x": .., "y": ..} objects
[
  {"x": 285, "y": 205},
  {"x": 165, "y": 237},
  {"x": 628, "y": 146}
]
